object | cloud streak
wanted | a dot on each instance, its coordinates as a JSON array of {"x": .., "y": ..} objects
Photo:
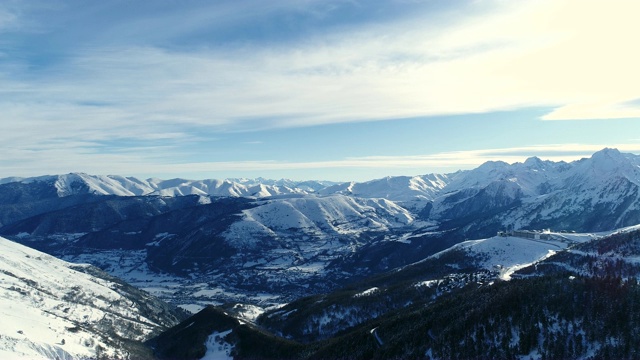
[
  {"x": 545, "y": 53},
  {"x": 452, "y": 160},
  {"x": 146, "y": 161},
  {"x": 140, "y": 80}
]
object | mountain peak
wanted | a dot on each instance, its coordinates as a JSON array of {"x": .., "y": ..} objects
[
  {"x": 603, "y": 166},
  {"x": 492, "y": 166},
  {"x": 533, "y": 161},
  {"x": 607, "y": 152},
  {"x": 608, "y": 159}
]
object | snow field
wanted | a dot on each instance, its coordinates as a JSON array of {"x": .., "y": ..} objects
[
  {"x": 47, "y": 307},
  {"x": 217, "y": 347}
]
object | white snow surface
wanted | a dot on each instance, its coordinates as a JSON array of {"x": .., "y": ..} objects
[
  {"x": 42, "y": 298},
  {"x": 367, "y": 292},
  {"x": 509, "y": 254},
  {"x": 73, "y": 183},
  {"x": 248, "y": 312},
  {"x": 396, "y": 188},
  {"x": 336, "y": 214},
  {"x": 217, "y": 347}
]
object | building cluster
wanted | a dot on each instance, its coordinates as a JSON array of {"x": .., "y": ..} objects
[{"x": 527, "y": 234}]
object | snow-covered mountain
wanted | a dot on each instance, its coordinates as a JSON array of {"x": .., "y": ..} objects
[
  {"x": 275, "y": 236},
  {"x": 597, "y": 193},
  {"x": 533, "y": 177},
  {"x": 334, "y": 215},
  {"x": 52, "y": 309},
  {"x": 80, "y": 183},
  {"x": 395, "y": 188},
  {"x": 267, "y": 242}
]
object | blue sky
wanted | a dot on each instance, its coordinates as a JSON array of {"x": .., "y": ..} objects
[{"x": 322, "y": 89}]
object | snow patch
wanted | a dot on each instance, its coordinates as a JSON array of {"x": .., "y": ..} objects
[
  {"x": 217, "y": 347},
  {"x": 367, "y": 292}
]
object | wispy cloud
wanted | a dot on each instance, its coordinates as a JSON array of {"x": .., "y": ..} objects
[
  {"x": 500, "y": 57},
  {"x": 145, "y": 79},
  {"x": 9, "y": 20},
  {"x": 453, "y": 160},
  {"x": 145, "y": 162}
]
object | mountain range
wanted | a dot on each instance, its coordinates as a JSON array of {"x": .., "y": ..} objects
[
  {"x": 81, "y": 183},
  {"x": 269, "y": 242},
  {"x": 302, "y": 263}
]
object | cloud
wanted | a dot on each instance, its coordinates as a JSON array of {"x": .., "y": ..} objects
[
  {"x": 137, "y": 81},
  {"x": 453, "y": 161},
  {"x": 8, "y": 19},
  {"x": 168, "y": 161},
  {"x": 444, "y": 161},
  {"x": 503, "y": 56}
]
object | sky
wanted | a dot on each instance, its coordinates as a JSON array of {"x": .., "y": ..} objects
[{"x": 312, "y": 89}]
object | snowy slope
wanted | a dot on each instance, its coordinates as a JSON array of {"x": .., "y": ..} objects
[
  {"x": 217, "y": 347},
  {"x": 49, "y": 309},
  {"x": 394, "y": 188},
  {"x": 80, "y": 183},
  {"x": 508, "y": 254},
  {"x": 337, "y": 213},
  {"x": 314, "y": 216}
]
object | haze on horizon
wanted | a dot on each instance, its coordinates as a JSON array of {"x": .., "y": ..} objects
[{"x": 315, "y": 89}]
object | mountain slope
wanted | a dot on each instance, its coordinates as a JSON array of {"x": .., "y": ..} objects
[
  {"x": 615, "y": 256},
  {"x": 51, "y": 308},
  {"x": 564, "y": 312},
  {"x": 395, "y": 188},
  {"x": 542, "y": 317},
  {"x": 469, "y": 263},
  {"x": 214, "y": 334}
]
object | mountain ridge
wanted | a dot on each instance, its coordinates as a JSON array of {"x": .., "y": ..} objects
[
  {"x": 294, "y": 243},
  {"x": 396, "y": 188}
]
